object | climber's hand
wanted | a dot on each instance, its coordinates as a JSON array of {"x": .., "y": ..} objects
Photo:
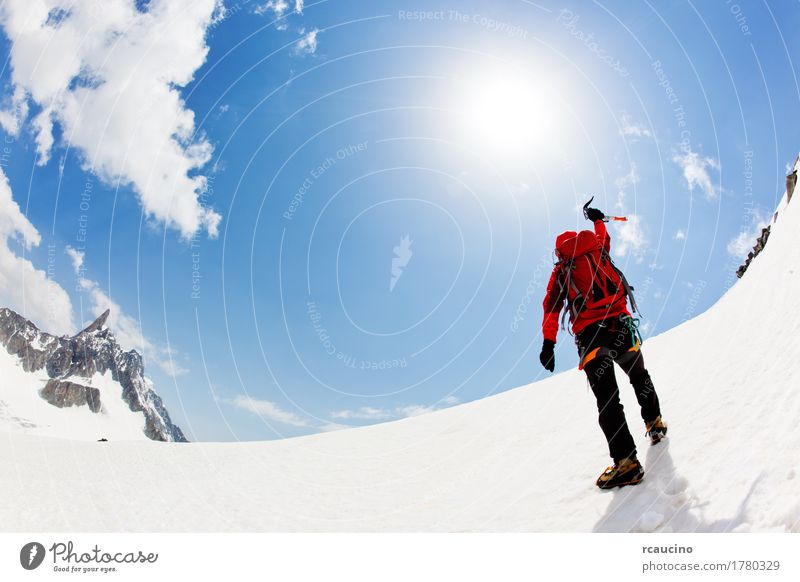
[
  {"x": 547, "y": 357},
  {"x": 594, "y": 214}
]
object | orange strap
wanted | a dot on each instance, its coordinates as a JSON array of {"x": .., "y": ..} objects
[
  {"x": 593, "y": 354},
  {"x": 588, "y": 358}
]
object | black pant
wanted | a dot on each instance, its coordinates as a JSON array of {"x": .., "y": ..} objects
[{"x": 614, "y": 341}]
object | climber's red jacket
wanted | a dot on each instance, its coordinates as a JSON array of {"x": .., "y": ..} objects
[{"x": 583, "y": 272}]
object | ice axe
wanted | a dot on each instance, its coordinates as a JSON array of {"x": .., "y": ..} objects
[{"x": 607, "y": 218}]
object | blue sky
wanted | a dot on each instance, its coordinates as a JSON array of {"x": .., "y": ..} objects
[{"x": 237, "y": 181}]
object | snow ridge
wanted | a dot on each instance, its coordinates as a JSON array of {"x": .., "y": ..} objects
[{"x": 522, "y": 460}]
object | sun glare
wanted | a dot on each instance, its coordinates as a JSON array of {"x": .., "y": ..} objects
[{"x": 507, "y": 115}]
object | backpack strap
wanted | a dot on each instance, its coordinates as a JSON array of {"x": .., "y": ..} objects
[
  {"x": 625, "y": 285},
  {"x": 568, "y": 285},
  {"x": 609, "y": 288}
]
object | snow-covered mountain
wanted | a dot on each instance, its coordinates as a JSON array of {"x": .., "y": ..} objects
[
  {"x": 81, "y": 387},
  {"x": 523, "y": 460}
]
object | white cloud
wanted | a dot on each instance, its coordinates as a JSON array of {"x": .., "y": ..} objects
[
  {"x": 740, "y": 245},
  {"x": 696, "y": 171},
  {"x": 363, "y": 413},
  {"x": 12, "y": 222},
  {"x": 414, "y": 410},
  {"x": 630, "y": 129},
  {"x": 43, "y": 129},
  {"x": 219, "y": 14},
  {"x": 417, "y": 409},
  {"x": 14, "y": 112},
  {"x": 269, "y": 410},
  {"x": 371, "y": 413},
  {"x": 277, "y": 7},
  {"x": 680, "y": 235},
  {"x": 272, "y": 411},
  {"x": 307, "y": 45},
  {"x": 629, "y": 179},
  {"x": 30, "y": 291},
  {"x": 630, "y": 238},
  {"x": 109, "y": 74},
  {"x": 623, "y": 183},
  {"x": 77, "y": 259}
]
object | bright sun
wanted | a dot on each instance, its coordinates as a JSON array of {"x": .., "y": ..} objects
[{"x": 507, "y": 115}]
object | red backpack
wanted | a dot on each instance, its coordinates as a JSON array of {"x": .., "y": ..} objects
[{"x": 592, "y": 282}]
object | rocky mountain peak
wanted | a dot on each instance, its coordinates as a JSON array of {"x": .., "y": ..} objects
[
  {"x": 98, "y": 323},
  {"x": 71, "y": 362}
]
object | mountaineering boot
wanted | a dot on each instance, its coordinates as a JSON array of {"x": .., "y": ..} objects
[
  {"x": 656, "y": 430},
  {"x": 623, "y": 472}
]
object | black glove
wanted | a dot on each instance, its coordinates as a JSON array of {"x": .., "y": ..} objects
[
  {"x": 546, "y": 357},
  {"x": 594, "y": 214}
]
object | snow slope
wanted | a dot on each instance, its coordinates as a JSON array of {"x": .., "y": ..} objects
[
  {"x": 524, "y": 460},
  {"x": 21, "y": 407}
]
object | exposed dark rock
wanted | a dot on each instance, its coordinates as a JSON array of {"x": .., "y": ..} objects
[
  {"x": 93, "y": 350},
  {"x": 18, "y": 335},
  {"x": 761, "y": 242},
  {"x": 64, "y": 394},
  {"x": 98, "y": 323}
]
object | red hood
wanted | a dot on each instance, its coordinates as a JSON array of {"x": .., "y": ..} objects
[{"x": 571, "y": 244}]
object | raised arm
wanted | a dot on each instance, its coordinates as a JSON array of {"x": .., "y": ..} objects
[{"x": 602, "y": 235}]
